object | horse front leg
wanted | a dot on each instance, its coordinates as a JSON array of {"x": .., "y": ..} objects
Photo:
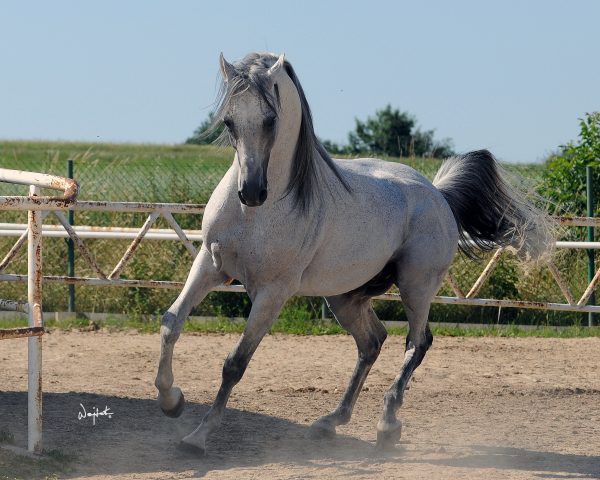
[
  {"x": 265, "y": 308},
  {"x": 202, "y": 278}
]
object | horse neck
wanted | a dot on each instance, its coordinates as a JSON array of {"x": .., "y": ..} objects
[
  {"x": 284, "y": 147},
  {"x": 280, "y": 165}
]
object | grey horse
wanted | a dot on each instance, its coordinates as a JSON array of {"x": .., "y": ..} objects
[{"x": 287, "y": 219}]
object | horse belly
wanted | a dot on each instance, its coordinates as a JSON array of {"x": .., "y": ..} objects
[
  {"x": 338, "y": 270},
  {"x": 336, "y": 282}
]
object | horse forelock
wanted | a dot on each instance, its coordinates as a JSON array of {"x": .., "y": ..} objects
[
  {"x": 252, "y": 73},
  {"x": 249, "y": 74}
]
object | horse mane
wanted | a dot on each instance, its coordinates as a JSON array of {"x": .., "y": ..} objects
[{"x": 304, "y": 183}]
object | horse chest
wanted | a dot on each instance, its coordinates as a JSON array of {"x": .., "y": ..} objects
[{"x": 251, "y": 251}]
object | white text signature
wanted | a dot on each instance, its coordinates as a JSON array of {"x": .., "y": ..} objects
[{"x": 95, "y": 413}]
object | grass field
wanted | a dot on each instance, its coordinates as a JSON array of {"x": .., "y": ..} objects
[
  {"x": 305, "y": 327},
  {"x": 151, "y": 172}
]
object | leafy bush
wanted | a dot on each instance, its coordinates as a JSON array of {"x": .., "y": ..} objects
[{"x": 565, "y": 176}]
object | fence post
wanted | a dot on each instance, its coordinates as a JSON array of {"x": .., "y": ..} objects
[
  {"x": 34, "y": 299},
  {"x": 71, "y": 247},
  {"x": 590, "y": 237}
]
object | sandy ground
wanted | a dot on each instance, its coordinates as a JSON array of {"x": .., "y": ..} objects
[{"x": 489, "y": 408}]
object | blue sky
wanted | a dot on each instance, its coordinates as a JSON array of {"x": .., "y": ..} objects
[{"x": 511, "y": 76}]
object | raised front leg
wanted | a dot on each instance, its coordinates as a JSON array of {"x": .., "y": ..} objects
[
  {"x": 357, "y": 316},
  {"x": 202, "y": 278},
  {"x": 265, "y": 309}
]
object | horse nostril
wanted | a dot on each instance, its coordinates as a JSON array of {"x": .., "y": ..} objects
[
  {"x": 262, "y": 196},
  {"x": 242, "y": 199}
]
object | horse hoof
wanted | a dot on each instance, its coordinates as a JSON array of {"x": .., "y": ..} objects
[
  {"x": 388, "y": 438},
  {"x": 319, "y": 431},
  {"x": 191, "y": 449},
  {"x": 177, "y": 410}
]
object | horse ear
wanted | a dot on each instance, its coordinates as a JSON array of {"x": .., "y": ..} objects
[
  {"x": 277, "y": 65},
  {"x": 227, "y": 68}
]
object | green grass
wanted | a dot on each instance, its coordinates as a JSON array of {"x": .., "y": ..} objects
[
  {"x": 51, "y": 466},
  {"x": 152, "y": 172},
  {"x": 310, "y": 327},
  {"x": 124, "y": 172},
  {"x": 20, "y": 467},
  {"x": 516, "y": 331}
]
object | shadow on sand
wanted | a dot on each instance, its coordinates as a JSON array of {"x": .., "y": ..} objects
[
  {"x": 540, "y": 464},
  {"x": 139, "y": 439}
]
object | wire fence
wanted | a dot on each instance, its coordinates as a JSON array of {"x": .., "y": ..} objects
[{"x": 179, "y": 174}]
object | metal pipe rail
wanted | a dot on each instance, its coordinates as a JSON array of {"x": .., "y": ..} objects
[
  {"x": 164, "y": 284},
  {"x": 106, "y": 233},
  {"x": 125, "y": 233},
  {"x": 69, "y": 187},
  {"x": 20, "y": 203}
]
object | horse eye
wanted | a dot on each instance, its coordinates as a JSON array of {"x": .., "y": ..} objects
[
  {"x": 269, "y": 122},
  {"x": 228, "y": 123}
]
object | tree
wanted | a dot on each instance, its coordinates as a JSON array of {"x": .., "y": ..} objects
[
  {"x": 205, "y": 134},
  {"x": 394, "y": 133},
  {"x": 564, "y": 174},
  {"x": 333, "y": 147}
]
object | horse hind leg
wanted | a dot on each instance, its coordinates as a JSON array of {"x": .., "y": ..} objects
[
  {"x": 417, "y": 289},
  {"x": 202, "y": 278},
  {"x": 355, "y": 314}
]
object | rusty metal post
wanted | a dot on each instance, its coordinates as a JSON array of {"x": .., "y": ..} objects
[{"x": 34, "y": 298}]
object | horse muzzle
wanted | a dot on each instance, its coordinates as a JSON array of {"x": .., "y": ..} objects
[{"x": 253, "y": 195}]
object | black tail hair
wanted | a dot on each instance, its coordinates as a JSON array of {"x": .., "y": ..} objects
[{"x": 488, "y": 211}]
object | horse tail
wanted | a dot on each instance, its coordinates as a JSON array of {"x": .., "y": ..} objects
[{"x": 489, "y": 212}]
